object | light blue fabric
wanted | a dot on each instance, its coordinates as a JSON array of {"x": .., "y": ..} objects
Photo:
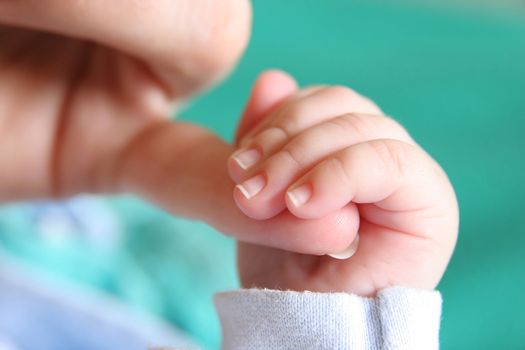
[
  {"x": 36, "y": 316},
  {"x": 396, "y": 319},
  {"x": 148, "y": 259}
]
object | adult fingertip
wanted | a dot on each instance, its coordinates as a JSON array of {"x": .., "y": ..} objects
[
  {"x": 348, "y": 252},
  {"x": 343, "y": 229},
  {"x": 332, "y": 233}
]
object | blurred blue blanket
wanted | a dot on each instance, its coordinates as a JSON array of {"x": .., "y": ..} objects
[
  {"x": 125, "y": 248},
  {"x": 37, "y": 316}
]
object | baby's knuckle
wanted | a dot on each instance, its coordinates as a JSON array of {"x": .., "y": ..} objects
[
  {"x": 395, "y": 126},
  {"x": 279, "y": 132},
  {"x": 292, "y": 155},
  {"x": 292, "y": 118},
  {"x": 337, "y": 165},
  {"x": 343, "y": 92},
  {"x": 261, "y": 138},
  {"x": 354, "y": 123},
  {"x": 267, "y": 139},
  {"x": 392, "y": 154}
]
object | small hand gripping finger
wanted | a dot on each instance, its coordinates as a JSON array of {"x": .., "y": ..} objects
[
  {"x": 261, "y": 193},
  {"x": 304, "y": 110},
  {"x": 391, "y": 173}
]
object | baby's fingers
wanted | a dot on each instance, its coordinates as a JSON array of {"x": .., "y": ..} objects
[
  {"x": 261, "y": 193},
  {"x": 393, "y": 174},
  {"x": 307, "y": 108}
]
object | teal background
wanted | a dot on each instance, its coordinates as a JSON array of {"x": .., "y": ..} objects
[{"x": 453, "y": 72}]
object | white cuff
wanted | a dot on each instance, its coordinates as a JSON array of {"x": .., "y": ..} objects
[{"x": 398, "y": 318}]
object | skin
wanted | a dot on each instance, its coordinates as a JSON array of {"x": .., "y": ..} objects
[
  {"x": 348, "y": 155},
  {"x": 85, "y": 91},
  {"x": 81, "y": 80}
]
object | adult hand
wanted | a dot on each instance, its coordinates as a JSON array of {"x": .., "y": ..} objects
[
  {"x": 83, "y": 84},
  {"x": 85, "y": 88}
]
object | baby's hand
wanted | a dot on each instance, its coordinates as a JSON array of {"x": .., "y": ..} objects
[{"x": 324, "y": 148}]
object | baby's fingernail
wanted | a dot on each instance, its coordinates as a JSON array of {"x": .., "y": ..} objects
[
  {"x": 251, "y": 187},
  {"x": 247, "y": 158},
  {"x": 348, "y": 252},
  {"x": 300, "y": 195}
]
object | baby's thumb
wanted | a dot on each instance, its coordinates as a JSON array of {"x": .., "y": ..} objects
[{"x": 269, "y": 90}]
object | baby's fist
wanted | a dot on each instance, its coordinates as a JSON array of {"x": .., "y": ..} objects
[{"x": 322, "y": 149}]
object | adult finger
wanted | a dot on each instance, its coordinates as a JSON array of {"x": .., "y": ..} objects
[
  {"x": 178, "y": 178},
  {"x": 187, "y": 43}
]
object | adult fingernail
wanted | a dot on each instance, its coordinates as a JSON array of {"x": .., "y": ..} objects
[
  {"x": 252, "y": 187},
  {"x": 300, "y": 195},
  {"x": 247, "y": 158},
  {"x": 348, "y": 252}
]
